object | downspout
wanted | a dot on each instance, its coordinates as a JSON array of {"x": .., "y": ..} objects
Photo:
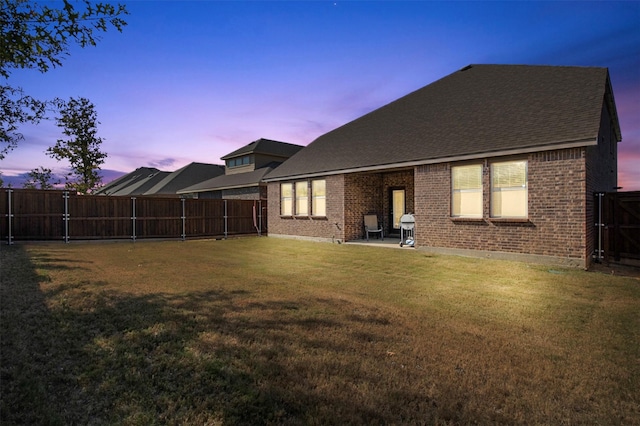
[
  {"x": 255, "y": 218},
  {"x": 260, "y": 215}
]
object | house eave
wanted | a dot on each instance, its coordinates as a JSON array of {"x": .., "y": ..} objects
[
  {"x": 219, "y": 188},
  {"x": 475, "y": 156}
]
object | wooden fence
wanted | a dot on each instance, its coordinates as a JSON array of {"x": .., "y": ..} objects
[
  {"x": 618, "y": 227},
  {"x": 36, "y": 215}
]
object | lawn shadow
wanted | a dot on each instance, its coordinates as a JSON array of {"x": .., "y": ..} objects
[
  {"x": 84, "y": 354},
  {"x": 47, "y": 262}
]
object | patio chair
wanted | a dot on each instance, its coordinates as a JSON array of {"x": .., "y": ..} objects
[{"x": 371, "y": 226}]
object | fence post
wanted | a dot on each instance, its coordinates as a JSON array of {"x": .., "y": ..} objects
[
  {"x": 225, "y": 219},
  {"x": 184, "y": 232},
  {"x": 65, "y": 217},
  {"x": 599, "y": 255},
  {"x": 10, "y": 215},
  {"x": 259, "y": 218},
  {"x": 133, "y": 219}
]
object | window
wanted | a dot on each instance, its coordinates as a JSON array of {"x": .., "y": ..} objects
[
  {"x": 239, "y": 161},
  {"x": 302, "y": 198},
  {"x": 466, "y": 197},
  {"x": 509, "y": 192},
  {"x": 318, "y": 198},
  {"x": 286, "y": 199}
]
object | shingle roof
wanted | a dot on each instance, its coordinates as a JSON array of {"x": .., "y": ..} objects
[
  {"x": 134, "y": 179},
  {"x": 186, "y": 176},
  {"x": 238, "y": 180},
  {"x": 265, "y": 146},
  {"x": 477, "y": 110},
  {"x": 141, "y": 186}
]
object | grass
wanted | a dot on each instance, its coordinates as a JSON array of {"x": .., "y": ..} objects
[{"x": 268, "y": 331}]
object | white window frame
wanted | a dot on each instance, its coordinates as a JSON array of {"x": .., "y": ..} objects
[
  {"x": 286, "y": 201},
  {"x": 466, "y": 191},
  {"x": 510, "y": 190},
  {"x": 319, "y": 198},
  {"x": 301, "y": 195}
]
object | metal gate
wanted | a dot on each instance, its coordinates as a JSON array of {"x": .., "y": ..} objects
[{"x": 617, "y": 227}]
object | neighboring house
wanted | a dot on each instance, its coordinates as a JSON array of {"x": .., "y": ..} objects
[
  {"x": 245, "y": 169},
  {"x": 189, "y": 175},
  {"x": 153, "y": 182},
  {"x": 135, "y": 183},
  {"x": 494, "y": 160}
]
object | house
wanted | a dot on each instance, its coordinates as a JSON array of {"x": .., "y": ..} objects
[
  {"x": 244, "y": 172},
  {"x": 135, "y": 183},
  {"x": 188, "y": 175},
  {"x": 153, "y": 182},
  {"x": 492, "y": 160}
]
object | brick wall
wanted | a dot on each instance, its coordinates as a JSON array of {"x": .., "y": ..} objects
[
  {"x": 330, "y": 227},
  {"x": 363, "y": 195},
  {"x": 251, "y": 193},
  {"x": 557, "y": 205},
  {"x": 560, "y": 220},
  {"x": 349, "y": 198}
]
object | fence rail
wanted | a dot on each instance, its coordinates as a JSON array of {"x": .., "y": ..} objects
[{"x": 36, "y": 215}]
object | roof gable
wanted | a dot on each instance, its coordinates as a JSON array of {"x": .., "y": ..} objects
[
  {"x": 265, "y": 146},
  {"x": 477, "y": 110}
]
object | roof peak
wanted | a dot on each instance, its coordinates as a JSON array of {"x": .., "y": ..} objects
[
  {"x": 477, "y": 110},
  {"x": 265, "y": 146}
]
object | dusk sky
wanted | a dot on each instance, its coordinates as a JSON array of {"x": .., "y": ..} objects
[{"x": 194, "y": 80}]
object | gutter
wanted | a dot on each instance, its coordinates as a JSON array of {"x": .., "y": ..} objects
[{"x": 219, "y": 188}]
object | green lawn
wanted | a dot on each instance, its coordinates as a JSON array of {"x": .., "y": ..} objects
[{"x": 270, "y": 331}]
